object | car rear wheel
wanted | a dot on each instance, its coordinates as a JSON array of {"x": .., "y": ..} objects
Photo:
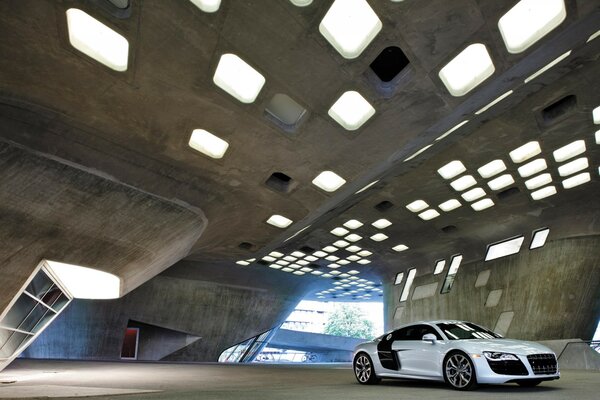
[
  {"x": 529, "y": 383},
  {"x": 459, "y": 371},
  {"x": 364, "y": 370}
]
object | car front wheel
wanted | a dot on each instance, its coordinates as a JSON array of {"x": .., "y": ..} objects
[
  {"x": 364, "y": 370},
  {"x": 459, "y": 371}
]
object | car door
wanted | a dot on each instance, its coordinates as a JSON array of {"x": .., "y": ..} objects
[{"x": 417, "y": 357}]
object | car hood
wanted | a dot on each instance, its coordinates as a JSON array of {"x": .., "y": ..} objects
[{"x": 519, "y": 347}]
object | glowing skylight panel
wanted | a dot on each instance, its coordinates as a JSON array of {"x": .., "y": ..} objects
[
  {"x": 501, "y": 182},
  {"x": 492, "y": 168},
  {"x": 328, "y": 181},
  {"x": 429, "y": 214},
  {"x": 86, "y": 283},
  {"x": 275, "y": 266},
  {"x": 353, "y": 224},
  {"x": 596, "y": 115},
  {"x": 381, "y": 223},
  {"x": 455, "y": 264},
  {"x": 208, "y": 144},
  {"x": 301, "y": 3},
  {"x": 378, "y": 237},
  {"x": 409, "y": 282},
  {"x": 538, "y": 181},
  {"x": 532, "y": 167},
  {"x": 569, "y": 151},
  {"x": 353, "y": 237},
  {"x": 353, "y": 257},
  {"x": 454, "y": 128},
  {"x": 504, "y": 248},
  {"x": 339, "y": 231},
  {"x": 525, "y": 152},
  {"x": 539, "y": 238},
  {"x": 593, "y": 36},
  {"x": 330, "y": 249},
  {"x": 353, "y": 272},
  {"x": 417, "y": 205},
  {"x": 302, "y": 262},
  {"x": 340, "y": 243},
  {"x": 300, "y": 273},
  {"x": 349, "y": 26},
  {"x": 242, "y": 262},
  {"x": 276, "y": 254},
  {"x": 353, "y": 248},
  {"x": 494, "y": 102},
  {"x": 279, "y": 221},
  {"x": 543, "y": 193},
  {"x": 576, "y": 180},
  {"x": 364, "y": 253},
  {"x": 351, "y": 110},
  {"x": 574, "y": 166},
  {"x": 315, "y": 257},
  {"x": 366, "y": 187},
  {"x": 462, "y": 183},
  {"x": 467, "y": 70},
  {"x": 452, "y": 169},
  {"x": 208, "y": 6},
  {"x": 282, "y": 262},
  {"x": 298, "y": 254},
  {"x": 473, "y": 194},
  {"x": 332, "y": 258},
  {"x": 597, "y": 136},
  {"x": 363, "y": 262},
  {"x": 482, "y": 204},
  {"x": 237, "y": 78},
  {"x": 439, "y": 267},
  {"x": 450, "y": 205},
  {"x": 97, "y": 40},
  {"x": 547, "y": 67},
  {"x": 529, "y": 21},
  {"x": 290, "y": 258},
  {"x": 343, "y": 262},
  {"x": 269, "y": 259}
]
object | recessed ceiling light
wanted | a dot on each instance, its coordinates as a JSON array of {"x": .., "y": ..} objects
[
  {"x": 330, "y": 249},
  {"x": 275, "y": 266},
  {"x": 381, "y": 223},
  {"x": 449, "y": 205},
  {"x": 538, "y": 181},
  {"x": 298, "y": 254},
  {"x": 298, "y": 273},
  {"x": 378, "y": 237},
  {"x": 302, "y": 262},
  {"x": 317, "y": 273},
  {"x": 569, "y": 151},
  {"x": 525, "y": 152},
  {"x": 364, "y": 253},
  {"x": 339, "y": 231},
  {"x": 366, "y": 187},
  {"x": 97, "y": 40},
  {"x": 573, "y": 166},
  {"x": 576, "y": 180},
  {"x": 543, "y": 193},
  {"x": 539, "y": 238},
  {"x": 242, "y": 262},
  {"x": 529, "y": 21},
  {"x": 319, "y": 253},
  {"x": 312, "y": 258},
  {"x": 208, "y": 6},
  {"x": 349, "y": 26},
  {"x": 353, "y": 258},
  {"x": 207, "y": 143},
  {"x": 353, "y": 237},
  {"x": 290, "y": 258},
  {"x": 287, "y": 269},
  {"x": 332, "y": 258},
  {"x": 452, "y": 169},
  {"x": 364, "y": 262},
  {"x": 501, "y": 182},
  {"x": 237, "y": 78},
  {"x": 282, "y": 262},
  {"x": 353, "y": 224},
  {"x": 343, "y": 262},
  {"x": 340, "y": 243},
  {"x": 269, "y": 258},
  {"x": 492, "y": 168},
  {"x": 533, "y": 167},
  {"x": 353, "y": 272},
  {"x": 467, "y": 70},
  {"x": 449, "y": 131},
  {"x": 439, "y": 267},
  {"x": 547, "y": 67},
  {"x": 301, "y": 3},
  {"x": 306, "y": 269},
  {"x": 329, "y": 181},
  {"x": 482, "y": 204},
  {"x": 417, "y": 205},
  {"x": 429, "y": 214},
  {"x": 279, "y": 221},
  {"x": 494, "y": 102},
  {"x": 351, "y": 110},
  {"x": 596, "y": 115},
  {"x": 464, "y": 182},
  {"x": 473, "y": 194},
  {"x": 276, "y": 254},
  {"x": 353, "y": 248},
  {"x": 327, "y": 275}
]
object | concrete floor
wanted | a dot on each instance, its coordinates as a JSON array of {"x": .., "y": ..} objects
[{"x": 102, "y": 380}]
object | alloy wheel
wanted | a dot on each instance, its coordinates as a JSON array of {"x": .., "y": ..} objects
[
  {"x": 362, "y": 369},
  {"x": 459, "y": 371}
]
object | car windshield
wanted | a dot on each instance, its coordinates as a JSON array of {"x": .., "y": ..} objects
[{"x": 466, "y": 330}]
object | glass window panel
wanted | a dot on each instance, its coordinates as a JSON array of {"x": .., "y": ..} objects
[
  {"x": 19, "y": 311},
  {"x": 43, "y": 321},
  {"x": 32, "y": 319},
  {"x": 51, "y": 295},
  {"x": 39, "y": 284},
  {"x": 60, "y": 302},
  {"x": 13, "y": 343}
]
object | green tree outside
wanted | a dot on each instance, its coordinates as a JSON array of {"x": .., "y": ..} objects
[{"x": 348, "y": 320}]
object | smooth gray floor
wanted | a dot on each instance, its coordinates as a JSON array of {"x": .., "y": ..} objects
[{"x": 40, "y": 379}]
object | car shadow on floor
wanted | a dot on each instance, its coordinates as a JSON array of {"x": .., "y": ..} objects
[{"x": 509, "y": 388}]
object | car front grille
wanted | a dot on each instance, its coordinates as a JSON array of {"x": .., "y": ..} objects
[
  {"x": 510, "y": 367},
  {"x": 543, "y": 364}
]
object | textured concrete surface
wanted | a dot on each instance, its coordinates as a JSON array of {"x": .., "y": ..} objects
[{"x": 206, "y": 381}]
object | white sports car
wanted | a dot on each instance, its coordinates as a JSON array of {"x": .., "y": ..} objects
[{"x": 460, "y": 353}]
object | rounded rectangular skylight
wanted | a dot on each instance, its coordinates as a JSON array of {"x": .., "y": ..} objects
[
  {"x": 569, "y": 151},
  {"x": 429, "y": 214},
  {"x": 538, "y": 181},
  {"x": 275, "y": 266},
  {"x": 302, "y": 262},
  {"x": 364, "y": 262},
  {"x": 473, "y": 194},
  {"x": 242, "y": 262},
  {"x": 298, "y": 254},
  {"x": 339, "y": 231},
  {"x": 543, "y": 193},
  {"x": 353, "y": 248},
  {"x": 301, "y": 3},
  {"x": 576, "y": 180},
  {"x": 349, "y": 26},
  {"x": 353, "y": 272},
  {"x": 208, "y": 6},
  {"x": 290, "y": 258},
  {"x": 525, "y": 152},
  {"x": 452, "y": 169},
  {"x": 449, "y": 205},
  {"x": 237, "y": 78},
  {"x": 539, "y": 238},
  {"x": 417, "y": 205},
  {"x": 306, "y": 269},
  {"x": 353, "y": 237},
  {"x": 276, "y": 254},
  {"x": 317, "y": 273},
  {"x": 532, "y": 168},
  {"x": 492, "y": 168},
  {"x": 364, "y": 253},
  {"x": 208, "y": 144},
  {"x": 330, "y": 249},
  {"x": 501, "y": 182},
  {"x": 332, "y": 258},
  {"x": 343, "y": 262},
  {"x": 351, "y": 110},
  {"x": 315, "y": 257},
  {"x": 279, "y": 221},
  {"x": 269, "y": 259},
  {"x": 340, "y": 243},
  {"x": 467, "y": 70},
  {"x": 287, "y": 269},
  {"x": 97, "y": 40},
  {"x": 353, "y": 258},
  {"x": 282, "y": 262},
  {"x": 298, "y": 273},
  {"x": 328, "y": 181},
  {"x": 464, "y": 182},
  {"x": 381, "y": 223},
  {"x": 529, "y": 21},
  {"x": 504, "y": 248},
  {"x": 378, "y": 237},
  {"x": 353, "y": 224},
  {"x": 482, "y": 204},
  {"x": 596, "y": 115},
  {"x": 439, "y": 267},
  {"x": 574, "y": 166}
]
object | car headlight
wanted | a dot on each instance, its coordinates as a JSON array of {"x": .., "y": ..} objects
[{"x": 496, "y": 356}]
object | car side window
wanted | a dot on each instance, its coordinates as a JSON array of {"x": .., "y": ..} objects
[{"x": 417, "y": 332}]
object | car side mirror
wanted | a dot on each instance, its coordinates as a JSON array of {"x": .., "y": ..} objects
[{"x": 429, "y": 337}]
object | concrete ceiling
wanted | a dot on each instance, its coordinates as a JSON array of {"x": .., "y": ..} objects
[{"x": 133, "y": 127}]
